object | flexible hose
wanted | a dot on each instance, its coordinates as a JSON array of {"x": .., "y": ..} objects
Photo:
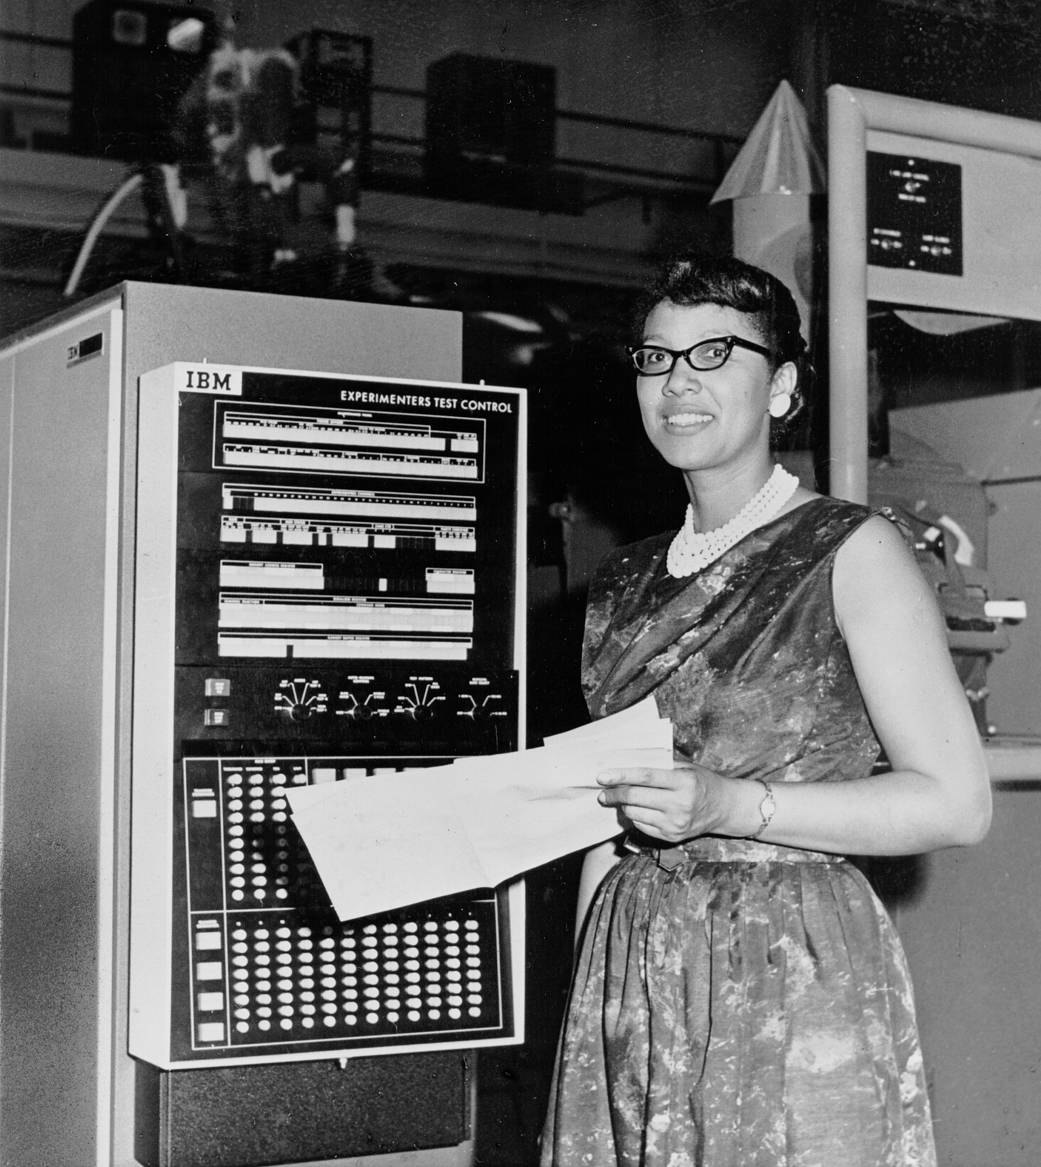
[{"x": 126, "y": 187}]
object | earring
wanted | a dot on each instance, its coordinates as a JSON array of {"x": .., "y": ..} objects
[{"x": 780, "y": 403}]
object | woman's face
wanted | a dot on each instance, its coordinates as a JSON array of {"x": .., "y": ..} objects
[{"x": 703, "y": 420}]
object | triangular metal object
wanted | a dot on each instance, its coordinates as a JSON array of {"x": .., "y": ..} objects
[{"x": 778, "y": 156}]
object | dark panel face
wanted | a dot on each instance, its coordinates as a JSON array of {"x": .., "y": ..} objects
[
  {"x": 271, "y": 968},
  {"x": 132, "y": 63},
  {"x": 914, "y": 212},
  {"x": 494, "y": 108},
  {"x": 344, "y": 604},
  {"x": 303, "y": 1111}
]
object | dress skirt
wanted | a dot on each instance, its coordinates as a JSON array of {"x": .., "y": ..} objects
[{"x": 739, "y": 1004}]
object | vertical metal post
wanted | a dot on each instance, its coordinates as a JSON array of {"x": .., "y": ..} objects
[{"x": 847, "y": 296}]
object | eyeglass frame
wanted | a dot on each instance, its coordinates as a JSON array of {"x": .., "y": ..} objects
[{"x": 731, "y": 343}]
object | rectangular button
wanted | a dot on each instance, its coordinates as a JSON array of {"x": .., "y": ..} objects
[
  {"x": 211, "y": 1002},
  {"x": 204, "y": 808},
  {"x": 209, "y": 970},
  {"x": 217, "y": 687},
  {"x": 215, "y": 717},
  {"x": 210, "y": 1031}
]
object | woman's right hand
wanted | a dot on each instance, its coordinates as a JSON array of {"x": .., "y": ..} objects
[{"x": 682, "y": 803}]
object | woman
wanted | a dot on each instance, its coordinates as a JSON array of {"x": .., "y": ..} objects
[{"x": 741, "y": 998}]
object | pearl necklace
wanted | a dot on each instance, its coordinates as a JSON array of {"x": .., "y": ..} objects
[{"x": 692, "y": 550}]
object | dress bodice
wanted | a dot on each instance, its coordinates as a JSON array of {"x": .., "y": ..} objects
[{"x": 745, "y": 657}]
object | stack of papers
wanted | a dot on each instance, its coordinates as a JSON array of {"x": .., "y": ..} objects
[{"x": 389, "y": 840}]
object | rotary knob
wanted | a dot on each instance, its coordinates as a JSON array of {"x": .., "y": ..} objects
[
  {"x": 419, "y": 699},
  {"x": 300, "y": 698}
]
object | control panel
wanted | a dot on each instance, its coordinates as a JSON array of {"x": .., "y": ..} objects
[
  {"x": 268, "y": 965},
  {"x": 437, "y": 712},
  {"x": 914, "y": 209},
  {"x": 329, "y": 585}
]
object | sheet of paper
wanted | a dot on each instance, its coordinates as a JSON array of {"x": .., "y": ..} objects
[
  {"x": 389, "y": 840},
  {"x": 516, "y": 827},
  {"x": 641, "y": 718},
  {"x": 370, "y": 854}
]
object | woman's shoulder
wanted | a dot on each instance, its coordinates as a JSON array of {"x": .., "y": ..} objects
[
  {"x": 819, "y": 524},
  {"x": 875, "y": 568},
  {"x": 837, "y": 519},
  {"x": 880, "y": 536}
]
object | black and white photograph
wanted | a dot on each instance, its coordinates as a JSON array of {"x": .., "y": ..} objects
[{"x": 520, "y": 583}]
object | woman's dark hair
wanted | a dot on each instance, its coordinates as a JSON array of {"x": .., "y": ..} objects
[{"x": 690, "y": 278}]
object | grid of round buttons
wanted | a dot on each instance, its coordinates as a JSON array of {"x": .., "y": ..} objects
[
  {"x": 293, "y": 980},
  {"x": 266, "y": 865},
  {"x": 297, "y": 974}
]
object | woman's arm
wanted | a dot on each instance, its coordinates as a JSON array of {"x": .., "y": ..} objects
[{"x": 937, "y": 793}]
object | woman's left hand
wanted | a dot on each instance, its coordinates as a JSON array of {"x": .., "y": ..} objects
[{"x": 671, "y": 805}]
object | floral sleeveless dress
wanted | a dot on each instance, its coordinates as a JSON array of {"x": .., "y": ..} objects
[{"x": 736, "y": 1003}]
